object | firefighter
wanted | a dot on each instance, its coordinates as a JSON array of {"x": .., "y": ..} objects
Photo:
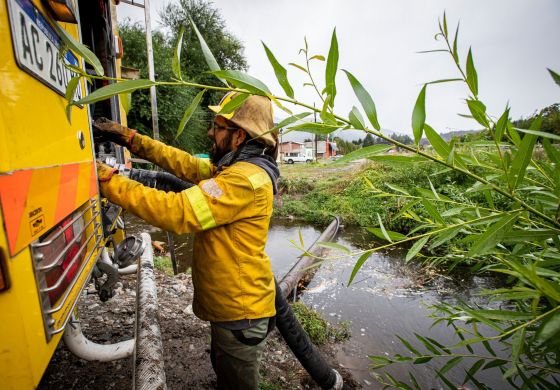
[{"x": 229, "y": 211}]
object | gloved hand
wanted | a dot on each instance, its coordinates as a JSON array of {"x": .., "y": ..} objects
[
  {"x": 104, "y": 171},
  {"x": 107, "y": 130}
]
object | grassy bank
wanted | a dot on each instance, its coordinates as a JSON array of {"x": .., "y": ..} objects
[{"x": 316, "y": 193}]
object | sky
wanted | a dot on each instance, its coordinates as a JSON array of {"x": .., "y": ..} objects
[{"x": 513, "y": 44}]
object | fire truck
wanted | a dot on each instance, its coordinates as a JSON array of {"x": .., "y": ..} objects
[{"x": 54, "y": 226}]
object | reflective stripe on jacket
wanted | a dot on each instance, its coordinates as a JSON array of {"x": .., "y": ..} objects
[{"x": 229, "y": 213}]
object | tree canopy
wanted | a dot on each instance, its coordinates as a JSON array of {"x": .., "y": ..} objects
[{"x": 172, "y": 102}]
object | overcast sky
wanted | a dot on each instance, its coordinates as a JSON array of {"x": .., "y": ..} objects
[{"x": 513, "y": 42}]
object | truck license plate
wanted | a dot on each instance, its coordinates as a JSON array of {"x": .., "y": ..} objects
[{"x": 36, "y": 47}]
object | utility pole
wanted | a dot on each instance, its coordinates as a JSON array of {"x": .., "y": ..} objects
[
  {"x": 153, "y": 101},
  {"x": 315, "y": 135}
]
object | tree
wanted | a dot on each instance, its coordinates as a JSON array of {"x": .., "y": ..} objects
[
  {"x": 227, "y": 49},
  {"x": 368, "y": 140},
  {"x": 171, "y": 101},
  {"x": 345, "y": 147},
  {"x": 551, "y": 119}
]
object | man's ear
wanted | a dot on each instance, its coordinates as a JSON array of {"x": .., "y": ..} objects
[{"x": 239, "y": 137}]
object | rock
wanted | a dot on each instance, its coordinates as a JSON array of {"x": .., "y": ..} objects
[{"x": 188, "y": 310}]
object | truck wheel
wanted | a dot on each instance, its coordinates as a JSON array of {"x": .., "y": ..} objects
[
  {"x": 290, "y": 161},
  {"x": 308, "y": 161}
]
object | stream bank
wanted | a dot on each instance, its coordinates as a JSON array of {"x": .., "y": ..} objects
[{"x": 185, "y": 342}]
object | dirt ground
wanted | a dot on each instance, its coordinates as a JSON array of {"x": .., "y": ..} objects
[{"x": 185, "y": 342}]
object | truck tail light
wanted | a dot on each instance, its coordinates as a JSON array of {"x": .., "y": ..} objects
[{"x": 61, "y": 255}]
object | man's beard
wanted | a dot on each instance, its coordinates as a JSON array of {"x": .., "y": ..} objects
[{"x": 219, "y": 151}]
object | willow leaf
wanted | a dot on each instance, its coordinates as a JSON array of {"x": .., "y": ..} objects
[
  {"x": 523, "y": 156},
  {"x": 315, "y": 128},
  {"x": 517, "y": 344},
  {"x": 365, "y": 99},
  {"x": 280, "y": 72},
  {"x": 298, "y": 67},
  {"x": 418, "y": 245},
  {"x": 331, "y": 68},
  {"x": 432, "y": 210},
  {"x": 393, "y": 235},
  {"x": 502, "y": 125},
  {"x": 363, "y": 258},
  {"x": 234, "y": 103},
  {"x": 555, "y": 76},
  {"x": 176, "y": 62},
  {"x": 243, "y": 80},
  {"x": 540, "y": 134},
  {"x": 478, "y": 111},
  {"x": 292, "y": 119},
  {"x": 335, "y": 246},
  {"x": 365, "y": 152},
  {"x": 110, "y": 90},
  {"x": 551, "y": 152},
  {"x": 455, "y": 51},
  {"x": 549, "y": 329},
  {"x": 443, "y": 80},
  {"x": 472, "y": 77},
  {"x": 356, "y": 119},
  {"x": 189, "y": 112},
  {"x": 492, "y": 235},
  {"x": 419, "y": 115},
  {"x": 450, "y": 364},
  {"x": 438, "y": 143},
  {"x": 382, "y": 228},
  {"x": 208, "y": 56},
  {"x": 71, "y": 88},
  {"x": 79, "y": 49}
]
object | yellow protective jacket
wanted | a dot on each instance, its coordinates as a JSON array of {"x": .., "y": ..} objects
[{"x": 229, "y": 212}]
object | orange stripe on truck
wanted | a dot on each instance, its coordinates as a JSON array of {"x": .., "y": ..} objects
[
  {"x": 34, "y": 200},
  {"x": 13, "y": 205},
  {"x": 67, "y": 190}
]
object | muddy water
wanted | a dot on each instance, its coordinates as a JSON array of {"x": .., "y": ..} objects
[{"x": 387, "y": 298}]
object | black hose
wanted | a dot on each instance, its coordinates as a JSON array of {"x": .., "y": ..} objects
[
  {"x": 300, "y": 344},
  {"x": 286, "y": 321},
  {"x": 160, "y": 180}
]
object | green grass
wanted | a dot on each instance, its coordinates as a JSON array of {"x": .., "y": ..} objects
[
  {"x": 318, "y": 329},
  {"x": 266, "y": 385},
  {"x": 163, "y": 263},
  {"x": 317, "y": 194}
]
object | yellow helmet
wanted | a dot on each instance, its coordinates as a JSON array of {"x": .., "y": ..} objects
[{"x": 254, "y": 116}]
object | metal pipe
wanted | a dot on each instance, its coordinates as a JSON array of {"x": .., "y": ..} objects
[
  {"x": 151, "y": 75},
  {"x": 289, "y": 282},
  {"x": 85, "y": 349},
  {"x": 149, "y": 370}
]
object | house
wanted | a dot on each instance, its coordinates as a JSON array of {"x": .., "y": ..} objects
[
  {"x": 290, "y": 148},
  {"x": 325, "y": 149}
]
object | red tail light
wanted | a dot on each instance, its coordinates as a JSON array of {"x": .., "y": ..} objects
[{"x": 61, "y": 255}]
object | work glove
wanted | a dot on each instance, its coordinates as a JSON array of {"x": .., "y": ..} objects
[
  {"x": 107, "y": 130},
  {"x": 104, "y": 171}
]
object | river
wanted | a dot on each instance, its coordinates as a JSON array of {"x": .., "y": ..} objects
[{"x": 387, "y": 298}]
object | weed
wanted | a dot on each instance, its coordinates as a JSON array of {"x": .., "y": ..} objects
[
  {"x": 266, "y": 385},
  {"x": 318, "y": 329},
  {"x": 163, "y": 263}
]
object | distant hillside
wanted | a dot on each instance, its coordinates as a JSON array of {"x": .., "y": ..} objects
[{"x": 451, "y": 134}]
